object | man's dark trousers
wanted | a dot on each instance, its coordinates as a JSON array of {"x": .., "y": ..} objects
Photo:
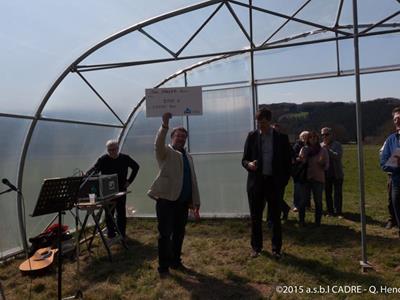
[
  {"x": 265, "y": 191},
  {"x": 172, "y": 218},
  {"x": 121, "y": 218},
  {"x": 392, "y": 216}
]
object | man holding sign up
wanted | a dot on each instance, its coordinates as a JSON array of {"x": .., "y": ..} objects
[{"x": 175, "y": 191}]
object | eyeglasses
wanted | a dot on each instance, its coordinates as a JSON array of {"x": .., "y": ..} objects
[
  {"x": 112, "y": 149},
  {"x": 263, "y": 122}
]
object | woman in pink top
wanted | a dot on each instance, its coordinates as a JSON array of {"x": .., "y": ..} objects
[{"x": 317, "y": 160}]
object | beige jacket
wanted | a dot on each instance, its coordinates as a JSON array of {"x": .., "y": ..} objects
[{"x": 168, "y": 183}]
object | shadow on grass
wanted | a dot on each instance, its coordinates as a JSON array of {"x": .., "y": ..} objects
[
  {"x": 355, "y": 217},
  {"x": 328, "y": 234},
  {"x": 327, "y": 275},
  {"x": 203, "y": 286},
  {"x": 124, "y": 261}
]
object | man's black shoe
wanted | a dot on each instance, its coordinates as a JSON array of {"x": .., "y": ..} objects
[
  {"x": 179, "y": 267},
  {"x": 277, "y": 255},
  {"x": 254, "y": 253},
  {"x": 390, "y": 224}
]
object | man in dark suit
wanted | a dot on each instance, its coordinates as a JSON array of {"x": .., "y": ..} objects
[{"x": 267, "y": 159}]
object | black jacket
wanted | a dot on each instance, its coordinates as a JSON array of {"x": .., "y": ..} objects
[
  {"x": 107, "y": 165},
  {"x": 281, "y": 160}
]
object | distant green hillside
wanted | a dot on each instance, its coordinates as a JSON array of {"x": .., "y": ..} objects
[{"x": 341, "y": 116}]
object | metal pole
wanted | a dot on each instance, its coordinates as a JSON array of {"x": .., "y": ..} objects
[
  {"x": 364, "y": 263},
  {"x": 187, "y": 118},
  {"x": 339, "y": 12},
  {"x": 253, "y": 86}
]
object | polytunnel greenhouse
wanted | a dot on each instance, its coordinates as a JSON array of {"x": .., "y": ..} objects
[{"x": 74, "y": 76}]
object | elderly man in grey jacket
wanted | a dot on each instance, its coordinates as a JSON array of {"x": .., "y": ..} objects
[
  {"x": 334, "y": 175},
  {"x": 175, "y": 191}
]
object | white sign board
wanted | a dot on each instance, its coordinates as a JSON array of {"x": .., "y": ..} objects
[{"x": 179, "y": 101}]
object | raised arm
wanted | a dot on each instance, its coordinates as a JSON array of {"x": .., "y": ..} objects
[{"x": 159, "y": 145}]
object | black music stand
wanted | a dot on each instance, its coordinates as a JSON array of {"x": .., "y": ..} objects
[{"x": 57, "y": 195}]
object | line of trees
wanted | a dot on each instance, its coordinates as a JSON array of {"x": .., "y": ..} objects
[{"x": 341, "y": 116}]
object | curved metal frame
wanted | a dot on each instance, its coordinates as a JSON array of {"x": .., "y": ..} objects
[{"x": 339, "y": 31}]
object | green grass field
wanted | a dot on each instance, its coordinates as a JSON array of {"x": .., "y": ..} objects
[{"x": 217, "y": 252}]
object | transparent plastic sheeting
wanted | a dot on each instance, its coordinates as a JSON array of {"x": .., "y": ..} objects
[
  {"x": 226, "y": 120},
  {"x": 295, "y": 61},
  {"x": 220, "y": 176},
  {"x": 231, "y": 70},
  {"x": 221, "y": 179},
  {"x": 12, "y": 133},
  {"x": 59, "y": 150},
  {"x": 222, "y": 185}
]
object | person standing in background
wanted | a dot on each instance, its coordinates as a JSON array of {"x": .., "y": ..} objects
[
  {"x": 300, "y": 143},
  {"x": 334, "y": 175},
  {"x": 267, "y": 159},
  {"x": 317, "y": 160}
]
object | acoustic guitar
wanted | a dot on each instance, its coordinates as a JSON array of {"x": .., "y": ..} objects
[{"x": 40, "y": 260}]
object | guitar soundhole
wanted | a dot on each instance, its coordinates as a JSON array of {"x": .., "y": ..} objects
[{"x": 43, "y": 255}]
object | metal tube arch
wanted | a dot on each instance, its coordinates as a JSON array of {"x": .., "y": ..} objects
[{"x": 272, "y": 45}]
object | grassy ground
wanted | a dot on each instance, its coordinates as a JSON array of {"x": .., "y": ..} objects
[{"x": 217, "y": 252}]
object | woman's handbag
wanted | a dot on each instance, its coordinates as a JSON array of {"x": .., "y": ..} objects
[{"x": 299, "y": 172}]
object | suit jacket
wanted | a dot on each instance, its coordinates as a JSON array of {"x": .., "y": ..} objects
[
  {"x": 168, "y": 183},
  {"x": 281, "y": 159}
]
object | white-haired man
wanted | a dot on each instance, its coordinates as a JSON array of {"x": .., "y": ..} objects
[{"x": 114, "y": 162}]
